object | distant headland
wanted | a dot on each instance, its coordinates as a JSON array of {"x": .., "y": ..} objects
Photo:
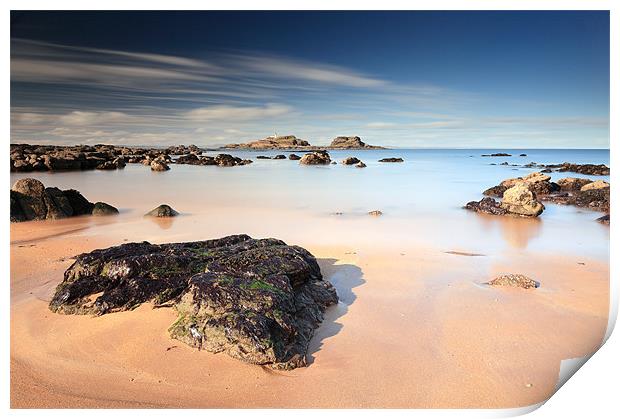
[{"x": 290, "y": 142}]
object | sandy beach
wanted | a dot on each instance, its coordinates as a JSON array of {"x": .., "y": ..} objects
[{"x": 414, "y": 328}]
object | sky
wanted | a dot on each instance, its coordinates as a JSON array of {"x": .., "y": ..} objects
[{"x": 397, "y": 79}]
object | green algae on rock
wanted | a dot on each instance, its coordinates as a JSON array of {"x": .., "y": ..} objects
[{"x": 258, "y": 300}]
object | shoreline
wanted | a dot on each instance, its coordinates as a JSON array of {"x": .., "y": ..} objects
[{"x": 440, "y": 325}]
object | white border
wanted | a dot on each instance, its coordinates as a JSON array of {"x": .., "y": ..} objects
[{"x": 592, "y": 392}]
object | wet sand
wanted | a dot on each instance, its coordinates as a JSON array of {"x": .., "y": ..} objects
[{"x": 414, "y": 327}]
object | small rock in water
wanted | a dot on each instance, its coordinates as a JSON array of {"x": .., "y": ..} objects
[
  {"x": 514, "y": 280},
  {"x": 361, "y": 165},
  {"x": 350, "y": 161},
  {"x": 294, "y": 157},
  {"x": 391, "y": 160},
  {"x": 375, "y": 213},
  {"x": 101, "y": 208},
  {"x": 162, "y": 211}
]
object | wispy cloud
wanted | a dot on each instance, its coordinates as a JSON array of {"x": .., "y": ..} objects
[{"x": 238, "y": 113}]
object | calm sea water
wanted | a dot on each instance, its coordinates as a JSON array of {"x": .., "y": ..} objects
[{"x": 421, "y": 200}]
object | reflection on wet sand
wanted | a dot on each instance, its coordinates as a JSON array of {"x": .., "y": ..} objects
[
  {"x": 516, "y": 231},
  {"x": 162, "y": 222}
]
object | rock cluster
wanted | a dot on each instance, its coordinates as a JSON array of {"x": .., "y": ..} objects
[
  {"x": 256, "y": 300},
  {"x": 517, "y": 200},
  {"x": 584, "y": 169},
  {"x": 31, "y": 200},
  {"x": 223, "y": 160},
  {"x": 566, "y": 191},
  {"x": 29, "y": 158}
]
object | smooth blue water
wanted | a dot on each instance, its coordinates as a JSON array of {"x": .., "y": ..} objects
[{"x": 421, "y": 198}]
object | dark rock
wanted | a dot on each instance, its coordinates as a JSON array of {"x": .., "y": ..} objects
[
  {"x": 263, "y": 157},
  {"x": 391, "y": 160},
  {"x": 294, "y": 157},
  {"x": 102, "y": 209},
  {"x": 188, "y": 159},
  {"x": 522, "y": 155},
  {"x": 361, "y": 165},
  {"x": 162, "y": 211},
  {"x": 486, "y": 205},
  {"x": 227, "y": 160},
  {"x": 350, "y": 161},
  {"x": 279, "y": 157},
  {"x": 79, "y": 204},
  {"x": 256, "y": 300},
  {"x": 497, "y": 191},
  {"x": 604, "y": 219},
  {"x": 584, "y": 169},
  {"x": 497, "y": 155}
]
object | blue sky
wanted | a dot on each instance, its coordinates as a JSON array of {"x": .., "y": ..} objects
[{"x": 401, "y": 79}]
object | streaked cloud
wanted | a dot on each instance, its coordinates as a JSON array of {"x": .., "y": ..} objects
[{"x": 238, "y": 113}]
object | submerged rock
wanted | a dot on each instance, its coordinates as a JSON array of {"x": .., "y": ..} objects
[
  {"x": 256, "y": 300},
  {"x": 162, "y": 211},
  {"x": 391, "y": 160},
  {"x": 514, "y": 280},
  {"x": 102, "y": 209},
  {"x": 350, "y": 161}
]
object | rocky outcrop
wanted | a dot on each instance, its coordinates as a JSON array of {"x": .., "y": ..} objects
[
  {"x": 315, "y": 157},
  {"x": 256, "y": 300},
  {"x": 514, "y": 280},
  {"x": 391, "y": 160},
  {"x": 352, "y": 143},
  {"x": 29, "y": 158},
  {"x": 162, "y": 211},
  {"x": 272, "y": 143},
  {"x": 584, "y": 169},
  {"x": 31, "y": 200},
  {"x": 517, "y": 200}
]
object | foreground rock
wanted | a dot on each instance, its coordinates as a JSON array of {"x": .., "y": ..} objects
[
  {"x": 31, "y": 200},
  {"x": 315, "y": 157},
  {"x": 162, "y": 211},
  {"x": 514, "y": 280},
  {"x": 256, "y": 300}
]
